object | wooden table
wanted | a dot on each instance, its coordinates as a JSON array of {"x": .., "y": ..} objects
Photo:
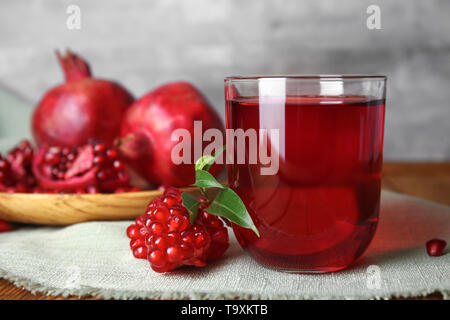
[{"x": 425, "y": 180}]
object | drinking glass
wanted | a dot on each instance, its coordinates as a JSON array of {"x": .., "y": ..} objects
[{"x": 305, "y": 156}]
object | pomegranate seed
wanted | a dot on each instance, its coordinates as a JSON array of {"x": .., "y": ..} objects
[
  {"x": 149, "y": 239},
  {"x": 101, "y": 175},
  {"x": 20, "y": 189},
  {"x": 99, "y": 148},
  {"x": 112, "y": 154},
  {"x": 160, "y": 242},
  {"x": 200, "y": 240},
  {"x": 161, "y": 214},
  {"x": 92, "y": 189},
  {"x": 177, "y": 223},
  {"x": 142, "y": 231},
  {"x": 173, "y": 237},
  {"x": 99, "y": 160},
  {"x": 65, "y": 151},
  {"x": 118, "y": 165},
  {"x": 188, "y": 250},
  {"x": 51, "y": 158},
  {"x": 140, "y": 252},
  {"x": 135, "y": 243},
  {"x": 169, "y": 200},
  {"x": 4, "y": 165},
  {"x": 156, "y": 228},
  {"x": 174, "y": 254},
  {"x": 435, "y": 247},
  {"x": 189, "y": 239},
  {"x": 133, "y": 232},
  {"x": 5, "y": 226},
  {"x": 157, "y": 258},
  {"x": 71, "y": 156}
]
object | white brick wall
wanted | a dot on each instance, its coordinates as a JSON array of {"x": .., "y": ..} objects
[{"x": 147, "y": 42}]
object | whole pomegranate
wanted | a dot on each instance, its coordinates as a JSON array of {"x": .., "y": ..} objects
[
  {"x": 81, "y": 108},
  {"x": 148, "y": 125}
]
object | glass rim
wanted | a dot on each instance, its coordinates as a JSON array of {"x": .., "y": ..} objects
[{"x": 325, "y": 77}]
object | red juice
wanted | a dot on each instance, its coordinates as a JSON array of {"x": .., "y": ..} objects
[{"x": 319, "y": 212}]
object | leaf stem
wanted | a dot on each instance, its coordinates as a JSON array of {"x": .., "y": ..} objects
[{"x": 203, "y": 192}]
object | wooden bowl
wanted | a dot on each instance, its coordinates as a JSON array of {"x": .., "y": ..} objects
[{"x": 65, "y": 209}]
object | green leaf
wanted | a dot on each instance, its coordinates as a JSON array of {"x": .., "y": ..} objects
[
  {"x": 191, "y": 204},
  {"x": 215, "y": 157},
  {"x": 205, "y": 162},
  {"x": 204, "y": 179},
  {"x": 227, "y": 204}
]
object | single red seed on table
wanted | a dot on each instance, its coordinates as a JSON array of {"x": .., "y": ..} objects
[
  {"x": 5, "y": 226},
  {"x": 435, "y": 247}
]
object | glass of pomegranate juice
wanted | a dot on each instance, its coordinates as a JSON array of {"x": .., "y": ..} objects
[{"x": 305, "y": 156}]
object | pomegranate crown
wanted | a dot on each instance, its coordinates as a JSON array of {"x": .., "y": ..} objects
[{"x": 75, "y": 68}]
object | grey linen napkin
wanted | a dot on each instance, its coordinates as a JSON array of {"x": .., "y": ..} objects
[{"x": 94, "y": 259}]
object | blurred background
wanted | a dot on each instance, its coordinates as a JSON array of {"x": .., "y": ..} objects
[{"x": 144, "y": 43}]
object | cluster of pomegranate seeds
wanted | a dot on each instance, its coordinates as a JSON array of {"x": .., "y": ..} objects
[
  {"x": 165, "y": 237},
  {"x": 435, "y": 247},
  {"x": 59, "y": 160},
  {"x": 91, "y": 168},
  {"x": 16, "y": 169},
  {"x": 112, "y": 173}
]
